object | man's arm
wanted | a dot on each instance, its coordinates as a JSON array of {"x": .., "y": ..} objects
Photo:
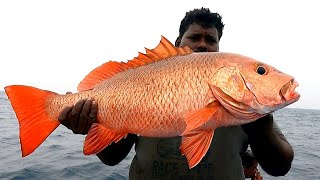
[
  {"x": 116, "y": 152},
  {"x": 79, "y": 119},
  {"x": 271, "y": 149}
]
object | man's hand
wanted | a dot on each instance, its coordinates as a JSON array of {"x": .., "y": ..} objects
[
  {"x": 257, "y": 176},
  {"x": 262, "y": 125},
  {"x": 79, "y": 117},
  {"x": 269, "y": 146}
]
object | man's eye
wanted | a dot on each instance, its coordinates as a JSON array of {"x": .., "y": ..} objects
[
  {"x": 193, "y": 38},
  {"x": 211, "y": 40}
]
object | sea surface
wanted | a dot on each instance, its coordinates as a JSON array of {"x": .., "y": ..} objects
[{"x": 61, "y": 157}]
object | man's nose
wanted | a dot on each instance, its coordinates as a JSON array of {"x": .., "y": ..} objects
[{"x": 202, "y": 46}]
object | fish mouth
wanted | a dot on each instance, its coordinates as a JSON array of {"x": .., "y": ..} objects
[{"x": 288, "y": 92}]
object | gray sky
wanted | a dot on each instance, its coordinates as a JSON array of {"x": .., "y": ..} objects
[{"x": 53, "y": 44}]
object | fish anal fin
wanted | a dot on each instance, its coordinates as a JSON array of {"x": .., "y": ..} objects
[
  {"x": 99, "y": 137},
  {"x": 197, "y": 118},
  {"x": 35, "y": 124},
  {"x": 165, "y": 49},
  {"x": 195, "y": 145}
]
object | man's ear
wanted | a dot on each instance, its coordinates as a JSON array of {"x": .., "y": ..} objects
[{"x": 178, "y": 41}]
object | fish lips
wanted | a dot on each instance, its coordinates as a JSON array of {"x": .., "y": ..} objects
[
  {"x": 288, "y": 92},
  {"x": 288, "y": 95}
]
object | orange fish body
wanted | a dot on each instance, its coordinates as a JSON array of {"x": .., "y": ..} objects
[{"x": 166, "y": 92}]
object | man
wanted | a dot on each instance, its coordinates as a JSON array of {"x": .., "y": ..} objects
[{"x": 160, "y": 158}]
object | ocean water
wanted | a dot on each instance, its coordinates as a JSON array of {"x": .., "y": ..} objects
[{"x": 60, "y": 156}]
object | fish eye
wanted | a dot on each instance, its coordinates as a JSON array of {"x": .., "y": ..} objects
[{"x": 261, "y": 70}]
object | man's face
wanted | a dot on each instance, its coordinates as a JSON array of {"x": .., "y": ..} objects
[{"x": 201, "y": 39}]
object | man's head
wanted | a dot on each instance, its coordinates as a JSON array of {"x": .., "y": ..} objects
[{"x": 201, "y": 30}]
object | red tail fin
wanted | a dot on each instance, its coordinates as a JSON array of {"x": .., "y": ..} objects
[{"x": 29, "y": 104}]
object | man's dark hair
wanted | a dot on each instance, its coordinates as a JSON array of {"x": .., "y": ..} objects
[{"x": 203, "y": 17}]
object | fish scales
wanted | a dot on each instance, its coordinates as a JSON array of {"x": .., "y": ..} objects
[{"x": 166, "y": 88}]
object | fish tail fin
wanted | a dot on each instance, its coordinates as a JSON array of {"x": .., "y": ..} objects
[{"x": 35, "y": 124}]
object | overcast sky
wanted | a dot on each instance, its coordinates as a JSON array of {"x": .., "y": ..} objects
[{"x": 53, "y": 44}]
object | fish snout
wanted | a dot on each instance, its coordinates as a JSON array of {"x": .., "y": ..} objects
[{"x": 288, "y": 91}]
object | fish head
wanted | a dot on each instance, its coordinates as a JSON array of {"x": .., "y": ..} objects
[
  {"x": 271, "y": 88},
  {"x": 250, "y": 89}
]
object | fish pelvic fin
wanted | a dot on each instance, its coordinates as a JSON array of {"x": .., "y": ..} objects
[
  {"x": 165, "y": 49},
  {"x": 99, "y": 137},
  {"x": 200, "y": 117},
  {"x": 29, "y": 105},
  {"x": 195, "y": 145}
]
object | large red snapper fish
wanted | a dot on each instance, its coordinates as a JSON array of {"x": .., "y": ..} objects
[{"x": 166, "y": 92}]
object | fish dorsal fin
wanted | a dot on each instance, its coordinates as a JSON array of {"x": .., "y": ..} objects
[
  {"x": 165, "y": 49},
  {"x": 99, "y": 74}
]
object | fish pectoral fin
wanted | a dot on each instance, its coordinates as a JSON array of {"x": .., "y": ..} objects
[
  {"x": 99, "y": 137},
  {"x": 197, "y": 118},
  {"x": 195, "y": 145}
]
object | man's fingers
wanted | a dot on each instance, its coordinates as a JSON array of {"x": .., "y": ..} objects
[
  {"x": 84, "y": 117},
  {"x": 79, "y": 117},
  {"x": 63, "y": 117},
  {"x": 92, "y": 118},
  {"x": 77, "y": 109},
  {"x": 74, "y": 115},
  {"x": 86, "y": 108},
  {"x": 94, "y": 111}
]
